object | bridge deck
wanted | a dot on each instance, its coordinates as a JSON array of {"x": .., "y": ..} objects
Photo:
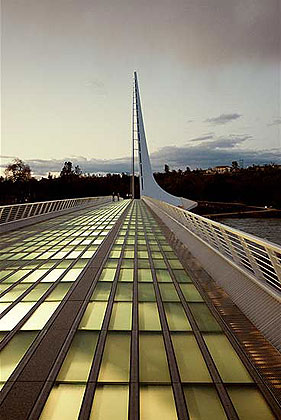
[{"x": 100, "y": 317}]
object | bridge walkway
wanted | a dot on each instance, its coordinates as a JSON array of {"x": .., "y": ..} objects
[{"x": 102, "y": 318}]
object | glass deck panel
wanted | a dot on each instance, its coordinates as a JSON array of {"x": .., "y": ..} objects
[{"x": 110, "y": 402}]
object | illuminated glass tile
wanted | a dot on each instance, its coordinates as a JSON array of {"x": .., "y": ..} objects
[
  {"x": 176, "y": 317},
  {"x": 144, "y": 274},
  {"x": 157, "y": 401},
  {"x": 110, "y": 402},
  {"x": 14, "y": 293},
  {"x": 13, "y": 352},
  {"x": 4, "y": 273},
  {"x": 142, "y": 263},
  {"x": 181, "y": 276},
  {"x": 36, "y": 293},
  {"x": 121, "y": 317},
  {"x": 168, "y": 292},
  {"x": 41, "y": 315},
  {"x": 102, "y": 291},
  {"x": 34, "y": 276},
  {"x": 116, "y": 358},
  {"x": 249, "y": 403},
  {"x": 159, "y": 264},
  {"x": 190, "y": 292},
  {"x": 124, "y": 292},
  {"x": 126, "y": 274},
  {"x": 226, "y": 359},
  {"x": 71, "y": 275},
  {"x": 153, "y": 361},
  {"x": 59, "y": 292},
  {"x": 16, "y": 276},
  {"x": 107, "y": 274},
  {"x": 189, "y": 358},
  {"x": 163, "y": 276},
  {"x": 53, "y": 275},
  {"x": 93, "y": 316},
  {"x": 205, "y": 320},
  {"x": 175, "y": 264},
  {"x": 146, "y": 292},
  {"x": 10, "y": 320},
  {"x": 77, "y": 364},
  {"x": 203, "y": 402},
  {"x": 148, "y": 317},
  {"x": 111, "y": 263},
  {"x": 64, "y": 402}
]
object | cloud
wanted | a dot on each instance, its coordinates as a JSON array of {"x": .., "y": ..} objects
[
  {"x": 207, "y": 137},
  {"x": 276, "y": 121},
  {"x": 223, "y": 118}
]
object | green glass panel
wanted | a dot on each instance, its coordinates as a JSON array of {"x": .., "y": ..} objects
[
  {"x": 124, "y": 291},
  {"x": 59, "y": 292},
  {"x": 53, "y": 275},
  {"x": 78, "y": 361},
  {"x": 4, "y": 273},
  {"x": 144, "y": 274},
  {"x": 227, "y": 361},
  {"x": 129, "y": 254},
  {"x": 157, "y": 401},
  {"x": 203, "y": 403},
  {"x": 93, "y": 316},
  {"x": 189, "y": 358},
  {"x": 126, "y": 263},
  {"x": 115, "y": 254},
  {"x": 168, "y": 292},
  {"x": 14, "y": 293},
  {"x": 13, "y": 278},
  {"x": 142, "y": 254},
  {"x": 167, "y": 248},
  {"x": 190, "y": 292},
  {"x": 146, "y": 292},
  {"x": 205, "y": 320},
  {"x": 143, "y": 263},
  {"x": 175, "y": 264},
  {"x": 121, "y": 317},
  {"x": 110, "y": 402},
  {"x": 182, "y": 276},
  {"x": 163, "y": 276},
  {"x": 159, "y": 264},
  {"x": 115, "y": 364},
  {"x": 72, "y": 275},
  {"x": 249, "y": 403},
  {"x": 111, "y": 263},
  {"x": 171, "y": 255},
  {"x": 107, "y": 274},
  {"x": 13, "y": 352},
  {"x": 126, "y": 274},
  {"x": 153, "y": 361},
  {"x": 41, "y": 315},
  {"x": 63, "y": 402},
  {"x": 10, "y": 320},
  {"x": 36, "y": 293},
  {"x": 176, "y": 317},
  {"x": 102, "y": 291},
  {"x": 149, "y": 317},
  {"x": 34, "y": 276}
]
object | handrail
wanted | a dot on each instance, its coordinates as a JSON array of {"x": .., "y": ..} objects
[
  {"x": 259, "y": 257},
  {"x": 14, "y": 212}
]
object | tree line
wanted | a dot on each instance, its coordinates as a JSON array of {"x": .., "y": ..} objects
[{"x": 257, "y": 186}]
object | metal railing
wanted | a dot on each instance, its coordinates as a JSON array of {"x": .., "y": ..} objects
[
  {"x": 257, "y": 256},
  {"x": 14, "y": 212}
]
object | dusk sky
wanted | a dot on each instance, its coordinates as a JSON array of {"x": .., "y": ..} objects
[{"x": 209, "y": 74}]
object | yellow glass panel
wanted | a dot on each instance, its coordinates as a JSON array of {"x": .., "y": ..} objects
[
  {"x": 53, "y": 275},
  {"x": 146, "y": 292},
  {"x": 13, "y": 352},
  {"x": 39, "y": 318},
  {"x": 189, "y": 358},
  {"x": 102, "y": 291},
  {"x": 124, "y": 291},
  {"x": 148, "y": 316},
  {"x": 37, "y": 292},
  {"x": 110, "y": 402},
  {"x": 33, "y": 277},
  {"x": 72, "y": 274},
  {"x": 153, "y": 361},
  {"x": 107, "y": 274},
  {"x": 168, "y": 292},
  {"x": 190, "y": 292},
  {"x": 14, "y": 293},
  {"x": 77, "y": 364},
  {"x": 157, "y": 402},
  {"x": 126, "y": 274},
  {"x": 226, "y": 359},
  {"x": 16, "y": 276},
  {"x": 163, "y": 276},
  {"x": 176, "y": 317},
  {"x": 10, "y": 320},
  {"x": 121, "y": 317},
  {"x": 59, "y": 292},
  {"x": 93, "y": 316},
  {"x": 203, "y": 403},
  {"x": 249, "y": 403},
  {"x": 203, "y": 317},
  {"x": 182, "y": 276},
  {"x": 63, "y": 402},
  {"x": 115, "y": 364},
  {"x": 144, "y": 274}
]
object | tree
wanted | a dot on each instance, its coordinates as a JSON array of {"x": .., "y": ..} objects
[
  {"x": 234, "y": 165},
  {"x": 166, "y": 168},
  {"x": 18, "y": 171},
  {"x": 67, "y": 170},
  {"x": 78, "y": 170}
]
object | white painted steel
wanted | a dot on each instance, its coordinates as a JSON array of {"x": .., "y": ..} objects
[
  {"x": 15, "y": 212},
  {"x": 258, "y": 257}
]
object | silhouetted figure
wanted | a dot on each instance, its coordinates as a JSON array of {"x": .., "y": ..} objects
[
  {"x": 113, "y": 196},
  {"x": 118, "y": 197}
]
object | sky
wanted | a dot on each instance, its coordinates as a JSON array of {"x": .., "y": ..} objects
[{"x": 209, "y": 75}]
